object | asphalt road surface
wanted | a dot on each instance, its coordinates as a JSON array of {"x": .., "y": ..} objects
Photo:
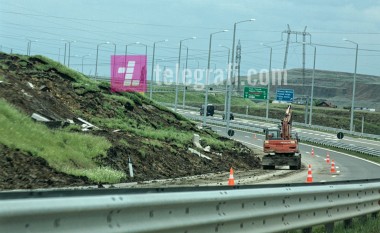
[{"x": 347, "y": 167}]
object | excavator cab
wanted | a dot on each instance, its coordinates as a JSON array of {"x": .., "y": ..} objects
[{"x": 272, "y": 134}]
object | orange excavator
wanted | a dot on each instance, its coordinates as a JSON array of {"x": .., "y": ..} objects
[{"x": 281, "y": 145}]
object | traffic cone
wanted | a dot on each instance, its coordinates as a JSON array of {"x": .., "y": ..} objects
[
  {"x": 309, "y": 178},
  {"x": 231, "y": 180},
  {"x": 328, "y": 158},
  {"x": 332, "y": 167},
  {"x": 312, "y": 151}
]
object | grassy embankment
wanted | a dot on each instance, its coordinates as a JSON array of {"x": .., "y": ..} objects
[
  {"x": 138, "y": 125},
  {"x": 67, "y": 152}
]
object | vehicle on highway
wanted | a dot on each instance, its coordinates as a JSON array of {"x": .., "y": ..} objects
[
  {"x": 281, "y": 145},
  {"x": 210, "y": 110},
  {"x": 231, "y": 116}
]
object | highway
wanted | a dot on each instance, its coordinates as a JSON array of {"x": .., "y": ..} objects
[
  {"x": 301, "y": 131},
  {"x": 348, "y": 167}
]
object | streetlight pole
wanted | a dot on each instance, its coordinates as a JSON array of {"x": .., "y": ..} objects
[
  {"x": 184, "y": 85},
  {"x": 208, "y": 76},
  {"x": 151, "y": 75},
  {"x": 97, "y": 53},
  {"x": 232, "y": 72},
  {"x": 312, "y": 86},
  {"x": 64, "y": 54},
  {"x": 177, "y": 75},
  {"x": 68, "y": 59},
  {"x": 226, "y": 96},
  {"x": 354, "y": 86},
  {"x": 83, "y": 59},
  {"x": 29, "y": 48},
  {"x": 270, "y": 74}
]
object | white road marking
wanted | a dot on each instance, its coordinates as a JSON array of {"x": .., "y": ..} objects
[
  {"x": 336, "y": 167},
  {"x": 247, "y": 136},
  {"x": 333, "y": 176},
  {"x": 322, "y": 181},
  {"x": 307, "y": 152},
  {"x": 337, "y": 171},
  {"x": 374, "y": 144},
  {"x": 318, "y": 156},
  {"x": 259, "y": 139},
  {"x": 352, "y": 156}
]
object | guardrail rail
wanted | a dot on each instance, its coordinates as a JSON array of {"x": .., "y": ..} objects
[{"x": 264, "y": 208}]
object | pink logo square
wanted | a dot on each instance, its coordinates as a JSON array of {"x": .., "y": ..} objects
[{"x": 128, "y": 73}]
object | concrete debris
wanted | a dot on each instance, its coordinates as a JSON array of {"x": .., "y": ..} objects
[
  {"x": 31, "y": 85},
  {"x": 196, "y": 142},
  {"x": 39, "y": 117},
  {"x": 207, "y": 149},
  {"x": 70, "y": 121},
  {"x": 116, "y": 130},
  {"x": 26, "y": 93},
  {"x": 86, "y": 126},
  {"x": 199, "y": 154},
  {"x": 44, "y": 88}
]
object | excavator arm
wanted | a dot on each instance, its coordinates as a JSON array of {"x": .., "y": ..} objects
[{"x": 286, "y": 123}]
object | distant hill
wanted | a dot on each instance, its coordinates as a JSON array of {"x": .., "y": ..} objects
[{"x": 333, "y": 86}]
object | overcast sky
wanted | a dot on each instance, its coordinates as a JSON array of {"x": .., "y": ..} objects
[{"x": 90, "y": 22}]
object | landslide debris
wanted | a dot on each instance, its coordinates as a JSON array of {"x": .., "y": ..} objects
[{"x": 153, "y": 137}]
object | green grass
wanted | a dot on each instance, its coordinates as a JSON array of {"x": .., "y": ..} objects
[
  {"x": 370, "y": 225},
  {"x": 2, "y": 78},
  {"x": 82, "y": 83},
  {"x": 72, "y": 153}
]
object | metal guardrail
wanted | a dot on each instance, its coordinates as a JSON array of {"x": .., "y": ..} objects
[
  {"x": 262, "y": 209},
  {"x": 312, "y": 127},
  {"x": 257, "y": 128}
]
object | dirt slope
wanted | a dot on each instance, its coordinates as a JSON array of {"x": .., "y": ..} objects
[{"x": 155, "y": 138}]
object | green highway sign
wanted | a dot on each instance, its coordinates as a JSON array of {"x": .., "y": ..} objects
[{"x": 257, "y": 93}]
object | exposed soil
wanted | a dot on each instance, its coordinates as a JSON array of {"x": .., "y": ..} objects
[
  {"x": 21, "y": 170},
  {"x": 34, "y": 89}
]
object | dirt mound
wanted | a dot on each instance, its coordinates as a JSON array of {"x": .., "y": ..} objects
[
  {"x": 21, "y": 170},
  {"x": 155, "y": 138}
]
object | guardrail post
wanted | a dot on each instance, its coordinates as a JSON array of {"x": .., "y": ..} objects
[
  {"x": 307, "y": 230},
  {"x": 246, "y": 110},
  {"x": 347, "y": 223},
  {"x": 329, "y": 227}
]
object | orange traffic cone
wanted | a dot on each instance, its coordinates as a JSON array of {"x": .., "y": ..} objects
[
  {"x": 328, "y": 158},
  {"x": 332, "y": 167},
  {"x": 309, "y": 178},
  {"x": 312, "y": 151},
  {"x": 231, "y": 180}
]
